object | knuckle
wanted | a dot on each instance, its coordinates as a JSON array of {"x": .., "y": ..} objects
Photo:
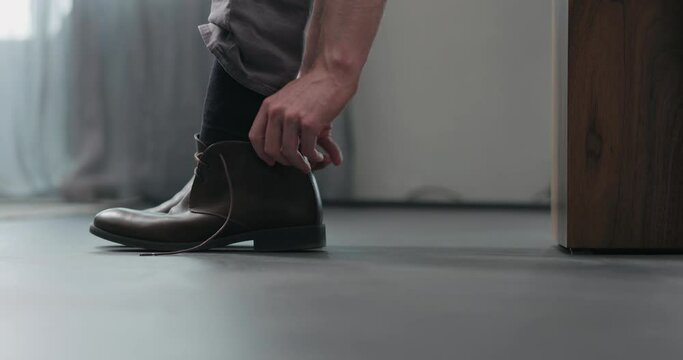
[
  {"x": 292, "y": 116},
  {"x": 276, "y": 110},
  {"x": 308, "y": 126},
  {"x": 296, "y": 114}
]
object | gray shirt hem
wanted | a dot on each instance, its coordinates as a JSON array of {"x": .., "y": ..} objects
[{"x": 226, "y": 51}]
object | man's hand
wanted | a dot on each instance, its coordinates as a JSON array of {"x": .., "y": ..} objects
[
  {"x": 293, "y": 121},
  {"x": 296, "y": 119}
]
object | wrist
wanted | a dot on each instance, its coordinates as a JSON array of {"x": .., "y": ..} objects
[{"x": 343, "y": 69}]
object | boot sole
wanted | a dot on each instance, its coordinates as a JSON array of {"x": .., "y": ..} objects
[{"x": 270, "y": 240}]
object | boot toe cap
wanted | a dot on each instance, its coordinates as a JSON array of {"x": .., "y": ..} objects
[
  {"x": 116, "y": 220},
  {"x": 149, "y": 226}
]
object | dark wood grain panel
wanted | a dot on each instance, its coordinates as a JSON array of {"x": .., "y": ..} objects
[{"x": 625, "y": 124}]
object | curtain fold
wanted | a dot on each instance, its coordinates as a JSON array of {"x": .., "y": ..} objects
[
  {"x": 33, "y": 102},
  {"x": 143, "y": 69}
]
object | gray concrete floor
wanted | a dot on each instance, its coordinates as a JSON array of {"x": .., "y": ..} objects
[{"x": 393, "y": 284}]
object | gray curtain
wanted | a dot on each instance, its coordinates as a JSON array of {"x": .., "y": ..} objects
[
  {"x": 34, "y": 58},
  {"x": 105, "y": 105},
  {"x": 138, "y": 91}
]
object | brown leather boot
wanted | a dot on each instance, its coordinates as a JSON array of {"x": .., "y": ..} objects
[
  {"x": 167, "y": 205},
  {"x": 234, "y": 197}
]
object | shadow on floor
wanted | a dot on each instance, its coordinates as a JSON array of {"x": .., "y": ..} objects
[{"x": 534, "y": 260}]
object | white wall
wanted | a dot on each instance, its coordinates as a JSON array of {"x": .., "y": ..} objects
[{"x": 457, "y": 95}]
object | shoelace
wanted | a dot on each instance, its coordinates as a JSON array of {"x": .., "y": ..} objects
[{"x": 198, "y": 157}]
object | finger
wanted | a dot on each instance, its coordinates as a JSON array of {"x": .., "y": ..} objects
[
  {"x": 273, "y": 145},
  {"x": 332, "y": 149},
  {"x": 257, "y": 135},
  {"x": 290, "y": 146},
  {"x": 309, "y": 140},
  {"x": 322, "y": 164}
]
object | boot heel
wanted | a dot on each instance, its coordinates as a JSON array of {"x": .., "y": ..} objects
[{"x": 291, "y": 239}]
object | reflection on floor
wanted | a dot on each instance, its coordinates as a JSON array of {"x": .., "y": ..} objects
[{"x": 393, "y": 284}]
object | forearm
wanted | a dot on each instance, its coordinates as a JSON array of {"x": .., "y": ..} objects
[
  {"x": 312, "y": 37},
  {"x": 295, "y": 120},
  {"x": 339, "y": 36}
]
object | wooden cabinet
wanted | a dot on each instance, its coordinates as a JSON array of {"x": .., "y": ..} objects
[{"x": 618, "y": 176}]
